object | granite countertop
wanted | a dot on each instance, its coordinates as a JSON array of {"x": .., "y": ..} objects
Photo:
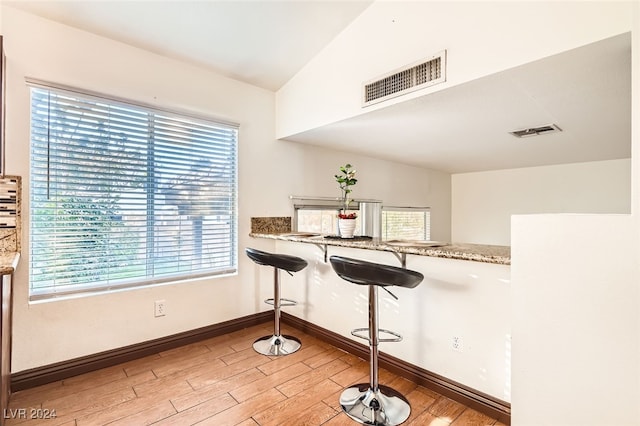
[
  {"x": 473, "y": 252},
  {"x": 8, "y": 262}
]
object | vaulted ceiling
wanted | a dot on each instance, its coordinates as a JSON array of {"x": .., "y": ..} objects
[{"x": 263, "y": 43}]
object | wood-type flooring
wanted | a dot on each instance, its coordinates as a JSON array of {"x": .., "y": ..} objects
[{"x": 222, "y": 381}]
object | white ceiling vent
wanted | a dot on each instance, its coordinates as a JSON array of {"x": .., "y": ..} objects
[
  {"x": 418, "y": 75},
  {"x": 535, "y": 131}
]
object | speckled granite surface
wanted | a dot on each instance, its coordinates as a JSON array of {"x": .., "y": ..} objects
[
  {"x": 473, "y": 252},
  {"x": 9, "y": 240},
  {"x": 270, "y": 225},
  {"x": 8, "y": 262}
]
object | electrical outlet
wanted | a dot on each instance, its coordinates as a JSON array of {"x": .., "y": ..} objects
[
  {"x": 160, "y": 308},
  {"x": 457, "y": 344}
]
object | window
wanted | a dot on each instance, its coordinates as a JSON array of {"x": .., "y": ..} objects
[
  {"x": 406, "y": 223},
  {"x": 319, "y": 215},
  {"x": 319, "y": 220},
  {"x": 124, "y": 195}
]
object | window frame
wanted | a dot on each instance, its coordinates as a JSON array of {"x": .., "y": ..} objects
[
  {"x": 326, "y": 204},
  {"x": 143, "y": 280},
  {"x": 333, "y": 205}
]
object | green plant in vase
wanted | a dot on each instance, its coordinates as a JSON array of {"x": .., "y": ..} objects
[{"x": 346, "y": 179}]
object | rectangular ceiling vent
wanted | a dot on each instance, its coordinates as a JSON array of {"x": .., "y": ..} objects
[
  {"x": 418, "y": 75},
  {"x": 535, "y": 131}
]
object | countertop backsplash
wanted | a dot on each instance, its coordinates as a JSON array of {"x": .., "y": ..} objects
[
  {"x": 270, "y": 225},
  {"x": 10, "y": 214}
]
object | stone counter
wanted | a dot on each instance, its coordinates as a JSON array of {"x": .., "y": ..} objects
[
  {"x": 474, "y": 252},
  {"x": 8, "y": 262}
]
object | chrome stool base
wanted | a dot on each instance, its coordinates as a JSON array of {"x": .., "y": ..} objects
[
  {"x": 384, "y": 407},
  {"x": 277, "y": 345}
]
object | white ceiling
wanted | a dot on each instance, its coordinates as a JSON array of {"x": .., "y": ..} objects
[
  {"x": 261, "y": 42},
  {"x": 465, "y": 128}
]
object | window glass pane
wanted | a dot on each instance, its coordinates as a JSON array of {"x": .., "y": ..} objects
[
  {"x": 408, "y": 224},
  {"x": 123, "y": 195},
  {"x": 321, "y": 221}
]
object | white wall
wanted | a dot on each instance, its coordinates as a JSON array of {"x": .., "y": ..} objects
[
  {"x": 483, "y": 202},
  {"x": 576, "y": 308},
  {"x": 575, "y": 335},
  {"x": 395, "y": 184},
  {"x": 457, "y": 298},
  {"x": 269, "y": 171},
  {"x": 484, "y": 38}
]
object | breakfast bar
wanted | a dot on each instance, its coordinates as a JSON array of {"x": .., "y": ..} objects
[
  {"x": 456, "y": 324},
  {"x": 473, "y": 252}
]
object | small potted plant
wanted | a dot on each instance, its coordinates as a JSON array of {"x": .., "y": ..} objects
[{"x": 346, "y": 220}]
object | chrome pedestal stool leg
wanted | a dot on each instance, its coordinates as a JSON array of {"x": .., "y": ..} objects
[
  {"x": 277, "y": 344},
  {"x": 372, "y": 403}
]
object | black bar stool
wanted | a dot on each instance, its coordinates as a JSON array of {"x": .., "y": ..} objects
[
  {"x": 372, "y": 403},
  {"x": 277, "y": 344}
]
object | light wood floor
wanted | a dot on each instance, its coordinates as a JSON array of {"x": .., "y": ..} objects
[{"x": 222, "y": 381}]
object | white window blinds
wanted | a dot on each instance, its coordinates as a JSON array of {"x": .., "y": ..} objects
[
  {"x": 408, "y": 223},
  {"x": 124, "y": 195}
]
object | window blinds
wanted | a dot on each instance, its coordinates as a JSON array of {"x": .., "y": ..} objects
[
  {"x": 125, "y": 195},
  {"x": 406, "y": 224}
]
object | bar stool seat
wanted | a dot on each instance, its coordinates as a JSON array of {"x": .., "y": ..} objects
[
  {"x": 372, "y": 403},
  {"x": 280, "y": 261},
  {"x": 277, "y": 344},
  {"x": 366, "y": 273}
]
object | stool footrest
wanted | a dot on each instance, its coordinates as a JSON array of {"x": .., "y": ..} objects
[
  {"x": 357, "y": 332},
  {"x": 283, "y": 302}
]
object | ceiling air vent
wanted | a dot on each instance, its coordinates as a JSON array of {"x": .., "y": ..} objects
[
  {"x": 418, "y": 75},
  {"x": 535, "y": 131}
]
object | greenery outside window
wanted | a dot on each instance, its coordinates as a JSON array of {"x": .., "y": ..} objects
[{"x": 124, "y": 195}]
